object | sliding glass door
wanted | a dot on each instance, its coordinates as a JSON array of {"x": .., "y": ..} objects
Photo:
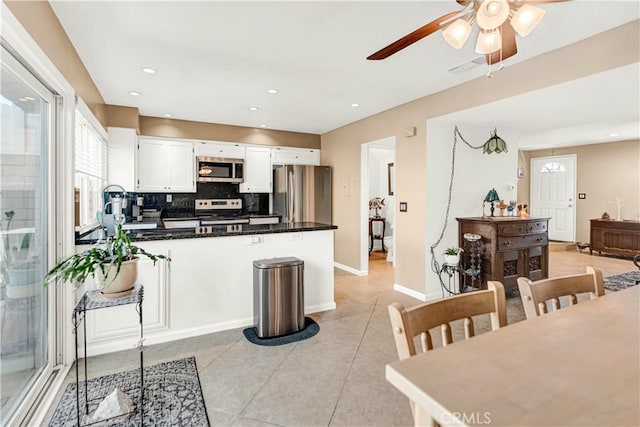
[{"x": 28, "y": 117}]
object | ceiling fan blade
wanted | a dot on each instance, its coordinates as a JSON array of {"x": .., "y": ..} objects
[
  {"x": 509, "y": 47},
  {"x": 464, "y": 3},
  {"x": 411, "y": 38}
]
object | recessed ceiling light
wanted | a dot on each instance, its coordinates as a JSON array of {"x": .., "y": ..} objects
[
  {"x": 254, "y": 108},
  {"x": 614, "y": 134},
  {"x": 272, "y": 90},
  {"x": 355, "y": 104},
  {"x": 263, "y": 125},
  {"x": 168, "y": 115},
  {"x": 133, "y": 93},
  {"x": 148, "y": 70},
  {"x": 28, "y": 98}
]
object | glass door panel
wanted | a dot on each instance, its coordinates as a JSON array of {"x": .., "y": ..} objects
[{"x": 26, "y": 107}]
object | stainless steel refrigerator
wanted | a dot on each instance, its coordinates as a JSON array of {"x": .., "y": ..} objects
[{"x": 302, "y": 193}]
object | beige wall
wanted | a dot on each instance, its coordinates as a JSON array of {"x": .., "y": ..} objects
[
  {"x": 171, "y": 128},
  {"x": 41, "y": 22},
  {"x": 604, "y": 172},
  {"x": 341, "y": 147}
]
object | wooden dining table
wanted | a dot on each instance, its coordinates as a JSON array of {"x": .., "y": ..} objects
[{"x": 578, "y": 366}]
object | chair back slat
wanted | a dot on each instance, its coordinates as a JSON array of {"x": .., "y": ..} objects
[
  {"x": 469, "y": 330},
  {"x": 447, "y": 338},
  {"x": 427, "y": 343},
  {"x": 536, "y": 294}
]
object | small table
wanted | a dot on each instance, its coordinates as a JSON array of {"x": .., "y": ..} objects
[
  {"x": 575, "y": 366},
  {"x": 373, "y": 236},
  {"x": 94, "y": 300}
]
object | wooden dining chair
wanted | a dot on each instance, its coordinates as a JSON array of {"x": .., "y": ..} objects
[
  {"x": 408, "y": 323},
  {"x": 536, "y": 294}
]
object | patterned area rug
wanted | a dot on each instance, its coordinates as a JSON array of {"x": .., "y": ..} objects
[
  {"x": 172, "y": 396},
  {"x": 622, "y": 281}
]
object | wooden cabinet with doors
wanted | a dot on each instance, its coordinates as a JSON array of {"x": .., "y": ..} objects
[
  {"x": 258, "y": 176},
  {"x": 295, "y": 156},
  {"x": 511, "y": 247},
  {"x": 615, "y": 237}
]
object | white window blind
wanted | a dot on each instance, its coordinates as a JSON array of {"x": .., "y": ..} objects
[{"x": 90, "y": 170}]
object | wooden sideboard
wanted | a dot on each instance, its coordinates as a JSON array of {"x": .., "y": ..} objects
[
  {"x": 615, "y": 237},
  {"x": 511, "y": 247}
]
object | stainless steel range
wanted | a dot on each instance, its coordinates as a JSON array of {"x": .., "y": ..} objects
[{"x": 219, "y": 211}]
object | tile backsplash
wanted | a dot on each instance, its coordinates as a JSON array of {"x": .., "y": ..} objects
[{"x": 257, "y": 203}]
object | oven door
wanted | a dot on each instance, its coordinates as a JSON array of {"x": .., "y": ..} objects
[{"x": 215, "y": 169}]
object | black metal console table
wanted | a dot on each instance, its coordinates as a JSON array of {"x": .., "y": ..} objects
[{"x": 94, "y": 300}]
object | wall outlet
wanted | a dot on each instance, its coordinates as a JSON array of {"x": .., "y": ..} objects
[
  {"x": 295, "y": 236},
  {"x": 169, "y": 198}
]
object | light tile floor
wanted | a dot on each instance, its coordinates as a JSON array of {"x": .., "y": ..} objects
[{"x": 335, "y": 378}]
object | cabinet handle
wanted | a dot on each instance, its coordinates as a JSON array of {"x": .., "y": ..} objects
[{"x": 507, "y": 243}]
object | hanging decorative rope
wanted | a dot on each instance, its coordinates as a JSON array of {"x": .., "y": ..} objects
[{"x": 435, "y": 266}]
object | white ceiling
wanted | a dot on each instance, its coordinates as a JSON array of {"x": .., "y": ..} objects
[{"x": 216, "y": 59}]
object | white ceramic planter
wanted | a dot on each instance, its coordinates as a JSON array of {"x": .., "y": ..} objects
[
  {"x": 123, "y": 281},
  {"x": 452, "y": 259}
]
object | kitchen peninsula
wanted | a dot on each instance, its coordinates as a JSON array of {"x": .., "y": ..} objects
[{"x": 208, "y": 286}]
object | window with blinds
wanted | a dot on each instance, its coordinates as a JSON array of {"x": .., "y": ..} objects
[{"x": 90, "y": 172}]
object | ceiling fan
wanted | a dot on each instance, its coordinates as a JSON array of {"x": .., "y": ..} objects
[{"x": 498, "y": 20}]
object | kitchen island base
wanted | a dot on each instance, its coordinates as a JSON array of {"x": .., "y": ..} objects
[{"x": 208, "y": 287}]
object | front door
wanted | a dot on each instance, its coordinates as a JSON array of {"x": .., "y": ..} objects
[{"x": 553, "y": 187}]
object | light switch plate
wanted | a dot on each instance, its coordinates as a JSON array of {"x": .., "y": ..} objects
[{"x": 403, "y": 206}]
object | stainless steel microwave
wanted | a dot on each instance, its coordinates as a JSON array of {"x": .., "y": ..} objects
[{"x": 218, "y": 169}]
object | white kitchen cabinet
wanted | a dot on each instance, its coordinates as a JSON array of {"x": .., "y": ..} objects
[
  {"x": 219, "y": 149},
  {"x": 295, "y": 156},
  {"x": 165, "y": 166},
  {"x": 104, "y": 327},
  {"x": 121, "y": 154},
  {"x": 258, "y": 175}
]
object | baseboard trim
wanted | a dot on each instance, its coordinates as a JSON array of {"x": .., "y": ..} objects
[
  {"x": 350, "y": 269},
  {"x": 320, "y": 307},
  {"x": 412, "y": 293}
]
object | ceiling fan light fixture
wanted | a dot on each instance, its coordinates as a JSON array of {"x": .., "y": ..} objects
[
  {"x": 488, "y": 42},
  {"x": 526, "y": 19},
  {"x": 457, "y": 33},
  {"x": 492, "y": 13}
]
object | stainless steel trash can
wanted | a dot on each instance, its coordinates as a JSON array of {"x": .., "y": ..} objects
[{"x": 278, "y": 296}]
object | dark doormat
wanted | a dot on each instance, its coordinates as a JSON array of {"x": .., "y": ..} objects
[
  {"x": 172, "y": 396},
  {"x": 311, "y": 328}
]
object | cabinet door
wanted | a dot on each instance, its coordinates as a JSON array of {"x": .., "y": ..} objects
[
  {"x": 257, "y": 171},
  {"x": 219, "y": 149},
  {"x": 152, "y": 169},
  {"x": 109, "y": 325},
  {"x": 181, "y": 167},
  {"x": 295, "y": 156},
  {"x": 121, "y": 153}
]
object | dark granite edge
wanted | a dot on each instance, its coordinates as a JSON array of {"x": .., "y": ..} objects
[{"x": 190, "y": 233}]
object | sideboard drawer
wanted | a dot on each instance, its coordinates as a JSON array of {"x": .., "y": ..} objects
[
  {"x": 536, "y": 227},
  {"x": 521, "y": 242},
  {"x": 511, "y": 229}
]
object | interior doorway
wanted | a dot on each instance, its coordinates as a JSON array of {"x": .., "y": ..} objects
[
  {"x": 553, "y": 187},
  {"x": 377, "y": 177}
]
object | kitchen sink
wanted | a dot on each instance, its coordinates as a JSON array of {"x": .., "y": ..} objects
[{"x": 180, "y": 223}]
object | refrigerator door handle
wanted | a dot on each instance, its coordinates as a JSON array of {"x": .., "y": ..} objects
[{"x": 291, "y": 194}]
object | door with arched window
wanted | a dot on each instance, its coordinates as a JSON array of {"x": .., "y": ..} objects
[{"x": 553, "y": 187}]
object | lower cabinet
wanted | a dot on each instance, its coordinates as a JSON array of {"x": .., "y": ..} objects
[
  {"x": 510, "y": 247},
  {"x": 120, "y": 322}
]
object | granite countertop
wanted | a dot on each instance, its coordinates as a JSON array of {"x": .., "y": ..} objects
[{"x": 161, "y": 233}]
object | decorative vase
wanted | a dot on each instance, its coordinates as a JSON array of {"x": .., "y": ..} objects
[{"x": 123, "y": 281}]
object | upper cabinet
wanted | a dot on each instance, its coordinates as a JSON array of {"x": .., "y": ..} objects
[
  {"x": 121, "y": 155},
  {"x": 295, "y": 156},
  {"x": 219, "y": 149},
  {"x": 257, "y": 171},
  {"x": 165, "y": 166}
]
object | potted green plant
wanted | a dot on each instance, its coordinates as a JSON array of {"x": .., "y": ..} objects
[
  {"x": 452, "y": 255},
  {"x": 17, "y": 264},
  {"x": 113, "y": 264}
]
